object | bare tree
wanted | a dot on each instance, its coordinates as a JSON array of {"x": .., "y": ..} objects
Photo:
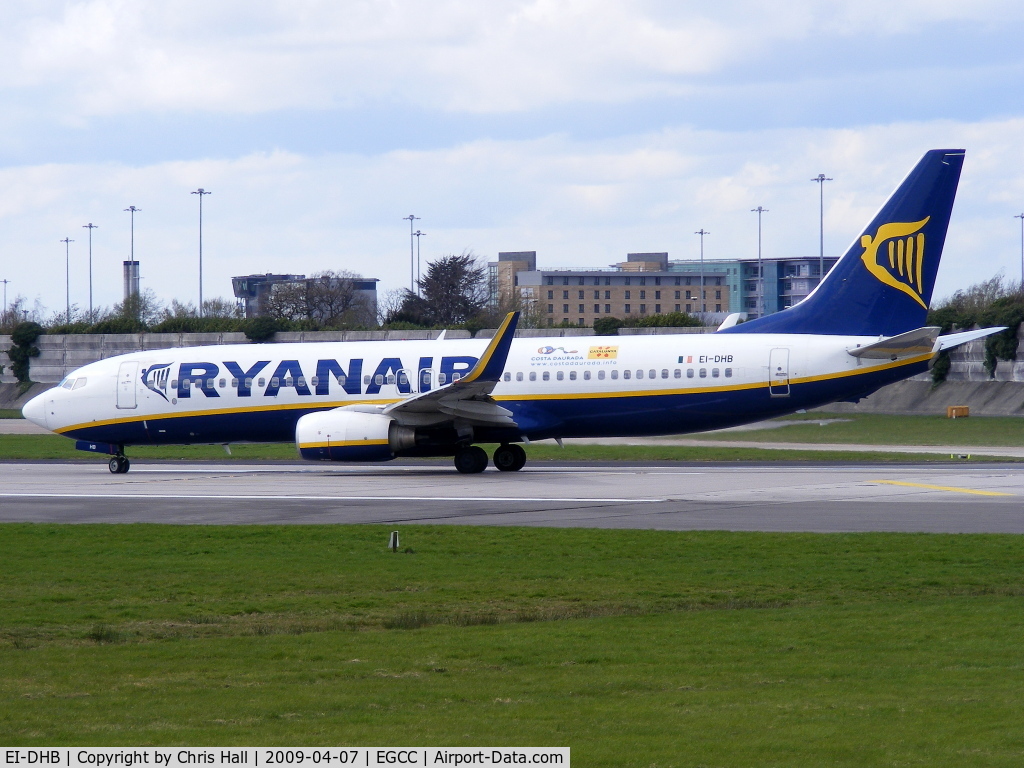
[{"x": 330, "y": 299}]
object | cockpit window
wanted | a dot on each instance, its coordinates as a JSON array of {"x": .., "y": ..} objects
[
  {"x": 67, "y": 383},
  {"x": 79, "y": 383}
]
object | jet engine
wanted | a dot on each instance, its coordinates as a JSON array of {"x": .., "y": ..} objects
[{"x": 343, "y": 435}]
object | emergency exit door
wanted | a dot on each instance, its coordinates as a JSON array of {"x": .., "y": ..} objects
[
  {"x": 778, "y": 372},
  {"x": 126, "y": 385}
]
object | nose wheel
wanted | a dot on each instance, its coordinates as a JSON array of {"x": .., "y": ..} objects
[
  {"x": 509, "y": 458},
  {"x": 119, "y": 465}
]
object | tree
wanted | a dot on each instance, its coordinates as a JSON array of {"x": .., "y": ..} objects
[
  {"x": 329, "y": 299},
  {"x": 454, "y": 292}
]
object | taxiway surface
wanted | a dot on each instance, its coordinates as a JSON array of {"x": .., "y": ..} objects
[{"x": 764, "y": 497}]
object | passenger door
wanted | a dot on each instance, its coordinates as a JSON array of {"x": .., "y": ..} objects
[{"x": 778, "y": 372}]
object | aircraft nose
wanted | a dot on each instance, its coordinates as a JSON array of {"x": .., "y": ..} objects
[{"x": 35, "y": 411}]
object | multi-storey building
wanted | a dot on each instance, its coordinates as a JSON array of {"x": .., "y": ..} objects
[
  {"x": 252, "y": 292},
  {"x": 641, "y": 286}
]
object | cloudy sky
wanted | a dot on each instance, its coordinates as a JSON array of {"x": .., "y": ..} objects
[{"x": 581, "y": 130}]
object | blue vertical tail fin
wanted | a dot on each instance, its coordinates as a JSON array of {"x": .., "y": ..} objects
[{"x": 883, "y": 285}]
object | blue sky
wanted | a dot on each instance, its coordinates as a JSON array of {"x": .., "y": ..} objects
[{"x": 582, "y": 130}]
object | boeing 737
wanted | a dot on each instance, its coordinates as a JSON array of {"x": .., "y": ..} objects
[{"x": 862, "y": 328}]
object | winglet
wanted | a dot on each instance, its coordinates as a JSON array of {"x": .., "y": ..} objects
[{"x": 491, "y": 364}]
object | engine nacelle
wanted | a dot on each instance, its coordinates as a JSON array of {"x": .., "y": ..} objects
[{"x": 342, "y": 435}]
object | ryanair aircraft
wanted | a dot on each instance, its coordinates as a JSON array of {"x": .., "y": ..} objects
[{"x": 863, "y": 327}]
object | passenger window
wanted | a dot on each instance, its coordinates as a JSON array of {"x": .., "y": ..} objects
[
  {"x": 714, "y": 373},
  {"x": 403, "y": 379},
  {"x": 186, "y": 384},
  {"x": 366, "y": 379},
  {"x": 391, "y": 378},
  {"x": 560, "y": 375},
  {"x": 728, "y": 373},
  {"x": 572, "y": 375},
  {"x": 456, "y": 376},
  {"x": 288, "y": 381},
  {"x": 79, "y": 383},
  {"x": 301, "y": 381},
  {"x": 507, "y": 376},
  {"x": 677, "y": 374},
  {"x": 625, "y": 374},
  {"x": 234, "y": 383},
  {"x": 533, "y": 375},
  {"x": 703, "y": 373},
  {"x": 261, "y": 383},
  {"x": 248, "y": 383},
  {"x": 639, "y": 374},
  {"x": 222, "y": 383},
  {"x": 519, "y": 375},
  {"x": 341, "y": 379},
  {"x": 314, "y": 381},
  {"x": 378, "y": 379},
  {"x": 546, "y": 376},
  {"x": 442, "y": 378},
  {"x": 652, "y": 374},
  {"x": 615, "y": 374},
  {"x": 174, "y": 383},
  {"x": 689, "y": 373},
  {"x": 600, "y": 375},
  {"x": 275, "y": 382},
  {"x": 424, "y": 379}
]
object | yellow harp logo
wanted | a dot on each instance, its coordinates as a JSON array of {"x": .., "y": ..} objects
[{"x": 904, "y": 253}]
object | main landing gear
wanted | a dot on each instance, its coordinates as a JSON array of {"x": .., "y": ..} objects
[
  {"x": 473, "y": 459},
  {"x": 119, "y": 465}
]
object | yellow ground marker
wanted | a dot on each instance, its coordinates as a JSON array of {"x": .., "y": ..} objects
[{"x": 949, "y": 488}]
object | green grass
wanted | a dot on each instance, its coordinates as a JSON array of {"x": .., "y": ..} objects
[
  {"x": 10, "y": 413},
  {"x": 634, "y": 648},
  {"x": 42, "y": 447},
  {"x": 875, "y": 429}
]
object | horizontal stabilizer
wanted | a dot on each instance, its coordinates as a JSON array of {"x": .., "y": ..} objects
[
  {"x": 956, "y": 339},
  {"x": 920, "y": 341}
]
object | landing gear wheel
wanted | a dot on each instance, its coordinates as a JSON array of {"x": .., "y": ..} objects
[
  {"x": 470, "y": 461},
  {"x": 509, "y": 458},
  {"x": 119, "y": 465}
]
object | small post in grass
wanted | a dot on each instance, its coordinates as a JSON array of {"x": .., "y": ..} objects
[{"x": 393, "y": 543}]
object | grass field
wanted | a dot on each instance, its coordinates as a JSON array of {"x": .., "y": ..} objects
[
  {"x": 874, "y": 429},
  {"x": 634, "y": 648},
  {"x": 10, "y": 413}
]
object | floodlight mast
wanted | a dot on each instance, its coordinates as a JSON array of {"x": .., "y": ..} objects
[{"x": 201, "y": 192}]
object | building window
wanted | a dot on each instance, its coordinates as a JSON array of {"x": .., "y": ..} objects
[
  {"x": 607, "y": 294},
  {"x": 581, "y": 309},
  {"x": 627, "y": 281},
  {"x": 718, "y": 294},
  {"x": 643, "y": 281},
  {"x": 607, "y": 309},
  {"x": 597, "y": 281},
  {"x": 551, "y": 281},
  {"x": 580, "y": 322},
  {"x": 718, "y": 307},
  {"x": 597, "y": 309},
  {"x": 657, "y": 294},
  {"x": 678, "y": 282},
  {"x": 643, "y": 294},
  {"x": 627, "y": 294},
  {"x": 565, "y": 308},
  {"x": 626, "y": 307},
  {"x": 583, "y": 281},
  {"x": 657, "y": 309},
  {"x": 677, "y": 308},
  {"x": 565, "y": 281},
  {"x": 597, "y": 294},
  {"x": 657, "y": 281},
  {"x": 607, "y": 281},
  {"x": 551, "y": 294},
  {"x": 551, "y": 308},
  {"x": 689, "y": 307},
  {"x": 565, "y": 294},
  {"x": 580, "y": 296},
  {"x": 689, "y": 295},
  {"x": 643, "y": 309}
]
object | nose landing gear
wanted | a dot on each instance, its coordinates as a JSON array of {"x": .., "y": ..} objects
[{"x": 119, "y": 465}]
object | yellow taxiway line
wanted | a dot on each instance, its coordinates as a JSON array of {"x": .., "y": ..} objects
[{"x": 950, "y": 488}]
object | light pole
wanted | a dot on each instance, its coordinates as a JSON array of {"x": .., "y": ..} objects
[
  {"x": 5, "y": 282},
  {"x": 201, "y": 192},
  {"x": 419, "y": 276},
  {"x": 412, "y": 262},
  {"x": 702, "y": 232},
  {"x": 821, "y": 178},
  {"x": 133, "y": 210},
  {"x": 1021, "y": 217},
  {"x": 67, "y": 271},
  {"x": 90, "y": 226},
  {"x": 760, "y": 274}
]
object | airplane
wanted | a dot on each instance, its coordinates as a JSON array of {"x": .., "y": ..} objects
[{"x": 862, "y": 327}]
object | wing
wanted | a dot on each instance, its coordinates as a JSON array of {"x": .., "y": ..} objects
[{"x": 468, "y": 398}]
